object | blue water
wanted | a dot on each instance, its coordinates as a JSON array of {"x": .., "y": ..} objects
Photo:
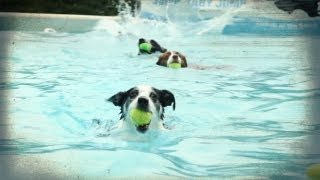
[{"x": 246, "y": 116}]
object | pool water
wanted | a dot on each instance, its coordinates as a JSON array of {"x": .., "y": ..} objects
[{"x": 248, "y": 115}]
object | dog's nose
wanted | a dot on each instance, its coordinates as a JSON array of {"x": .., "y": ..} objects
[
  {"x": 143, "y": 102},
  {"x": 175, "y": 56}
]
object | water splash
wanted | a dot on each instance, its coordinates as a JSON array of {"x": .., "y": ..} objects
[{"x": 49, "y": 30}]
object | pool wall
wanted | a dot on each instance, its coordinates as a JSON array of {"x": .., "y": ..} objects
[{"x": 58, "y": 22}]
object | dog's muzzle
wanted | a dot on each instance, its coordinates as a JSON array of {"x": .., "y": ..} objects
[
  {"x": 142, "y": 128},
  {"x": 143, "y": 103},
  {"x": 175, "y": 59}
]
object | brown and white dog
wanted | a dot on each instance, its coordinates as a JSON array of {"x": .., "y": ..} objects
[{"x": 172, "y": 57}]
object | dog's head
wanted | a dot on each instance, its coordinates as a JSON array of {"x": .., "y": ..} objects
[
  {"x": 141, "y": 40},
  {"x": 144, "y": 98},
  {"x": 172, "y": 57}
]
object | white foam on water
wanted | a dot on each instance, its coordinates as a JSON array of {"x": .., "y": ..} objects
[
  {"x": 109, "y": 25},
  {"x": 217, "y": 24},
  {"x": 49, "y": 30}
]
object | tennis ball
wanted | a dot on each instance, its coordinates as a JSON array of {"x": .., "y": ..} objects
[
  {"x": 145, "y": 46},
  {"x": 175, "y": 65},
  {"x": 314, "y": 171},
  {"x": 140, "y": 117}
]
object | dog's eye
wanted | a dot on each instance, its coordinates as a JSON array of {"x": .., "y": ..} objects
[
  {"x": 154, "y": 97},
  {"x": 133, "y": 94}
]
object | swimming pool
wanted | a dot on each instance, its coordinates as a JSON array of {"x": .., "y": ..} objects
[{"x": 249, "y": 118}]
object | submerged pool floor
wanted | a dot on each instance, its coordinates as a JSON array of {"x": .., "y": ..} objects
[{"x": 248, "y": 115}]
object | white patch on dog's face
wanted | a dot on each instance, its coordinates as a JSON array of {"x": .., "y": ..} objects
[
  {"x": 174, "y": 58},
  {"x": 143, "y": 92}
]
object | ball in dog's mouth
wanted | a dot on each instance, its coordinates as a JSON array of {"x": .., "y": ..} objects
[
  {"x": 141, "y": 119},
  {"x": 175, "y": 65}
]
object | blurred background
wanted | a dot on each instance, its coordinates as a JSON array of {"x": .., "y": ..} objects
[
  {"x": 92, "y": 7},
  {"x": 111, "y": 7}
]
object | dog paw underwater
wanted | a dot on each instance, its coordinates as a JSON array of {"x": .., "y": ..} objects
[{"x": 142, "y": 109}]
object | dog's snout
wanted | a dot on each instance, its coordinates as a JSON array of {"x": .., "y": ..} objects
[
  {"x": 143, "y": 102},
  {"x": 143, "y": 128},
  {"x": 175, "y": 56}
]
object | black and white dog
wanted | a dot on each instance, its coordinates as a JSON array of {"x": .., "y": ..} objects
[
  {"x": 155, "y": 46},
  {"x": 145, "y": 98}
]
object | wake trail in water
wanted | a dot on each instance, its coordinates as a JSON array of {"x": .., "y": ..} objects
[{"x": 171, "y": 19}]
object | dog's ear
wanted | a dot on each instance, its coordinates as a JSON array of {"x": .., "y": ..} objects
[
  {"x": 167, "y": 98},
  {"x": 141, "y": 40},
  {"x": 163, "y": 58},
  {"x": 184, "y": 61},
  {"x": 119, "y": 98}
]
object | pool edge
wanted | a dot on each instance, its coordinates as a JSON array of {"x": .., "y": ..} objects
[{"x": 58, "y": 22}]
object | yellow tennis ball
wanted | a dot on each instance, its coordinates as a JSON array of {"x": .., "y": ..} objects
[
  {"x": 139, "y": 117},
  {"x": 175, "y": 65},
  {"x": 314, "y": 171},
  {"x": 146, "y": 47}
]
